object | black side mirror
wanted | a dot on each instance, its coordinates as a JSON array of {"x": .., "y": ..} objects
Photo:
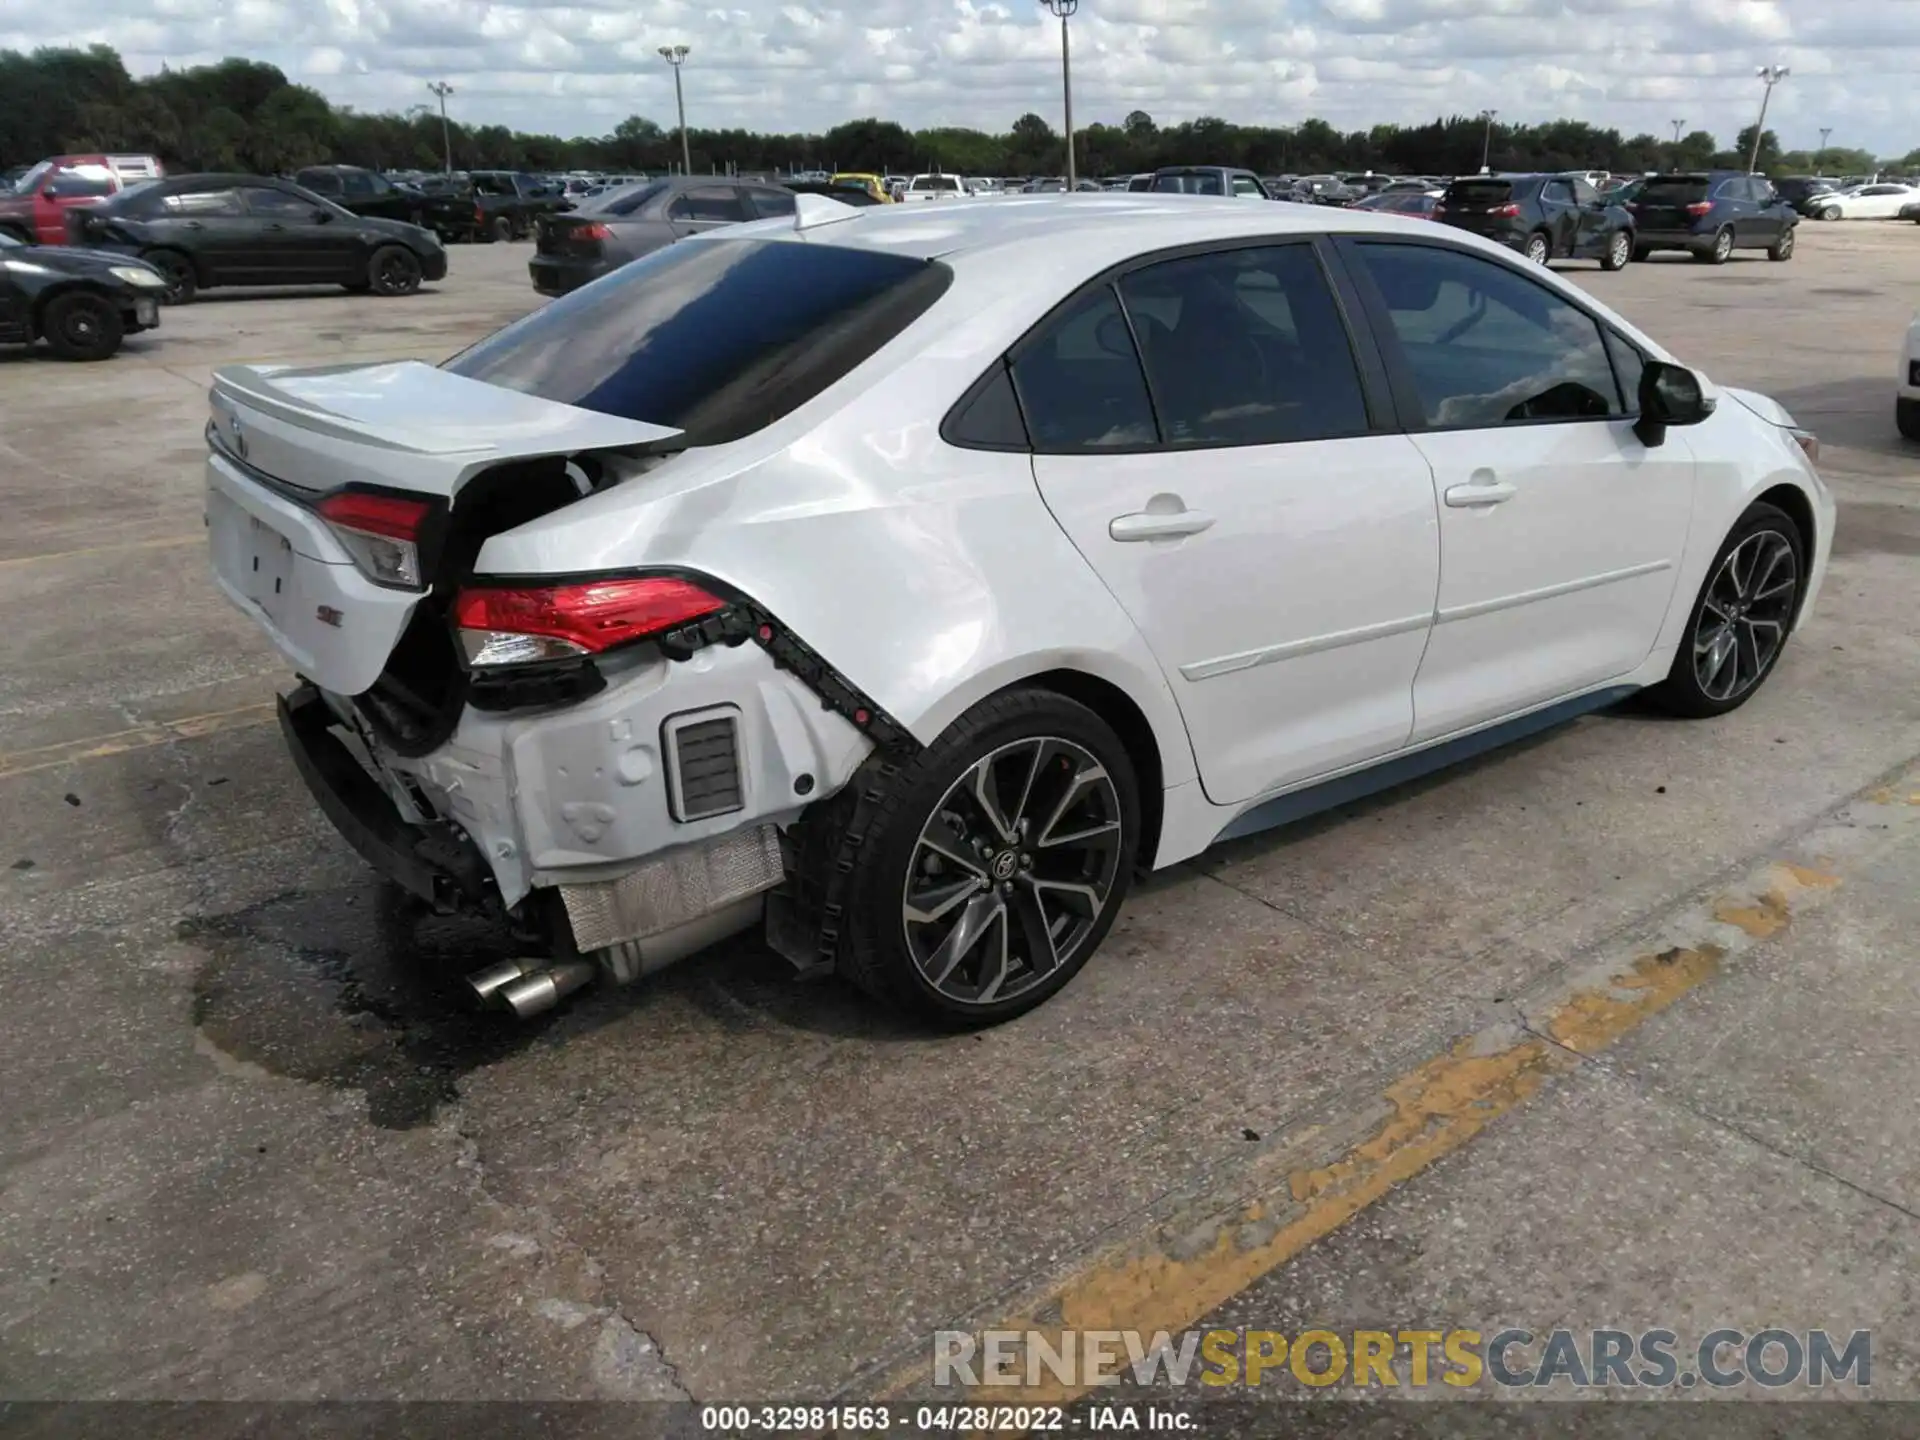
[{"x": 1669, "y": 395}]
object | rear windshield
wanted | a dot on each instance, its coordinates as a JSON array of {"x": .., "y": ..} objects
[
  {"x": 1192, "y": 183},
  {"x": 623, "y": 201},
  {"x": 1673, "y": 190},
  {"x": 718, "y": 338},
  {"x": 1479, "y": 192}
]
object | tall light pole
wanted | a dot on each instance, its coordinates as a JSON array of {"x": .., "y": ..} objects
[
  {"x": 1678, "y": 125},
  {"x": 442, "y": 89},
  {"x": 1820, "y": 160},
  {"x": 1065, "y": 9},
  {"x": 1770, "y": 76},
  {"x": 676, "y": 56},
  {"x": 1486, "y": 142}
]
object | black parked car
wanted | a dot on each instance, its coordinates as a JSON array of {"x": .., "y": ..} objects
[
  {"x": 449, "y": 213},
  {"x": 1544, "y": 217},
  {"x": 511, "y": 202},
  {"x": 622, "y": 225},
  {"x": 1799, "y": 190},
  {"x": 202, "y": 231},
  {"x": 81, "y": 302},
  {"x": 1712, "y": 213}
]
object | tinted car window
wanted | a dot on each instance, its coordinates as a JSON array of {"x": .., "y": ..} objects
[
  {"x": 1680, "y": 190},
  {"x": 712, "y": 202},
  {"x": 718, "y": 338},
  {"x": 195, "y": 203},
  {"x": 1199, "y": 184},
  {"x": 321, "y": 182},
  {"x": 276, "y": 204},
  {"x": 1628, "y": 362},
  {"x": 1584, "y": 193},
  {"x": 358, "y": 182},
  {"x": 1080, "y": 382},
  {"x": 1245, "y": 347},
  {"x": 1486, "y": 345},
  {"x": 1558, "y": 191},
  {"x": 768, "y": 204},
  {"x": 1479, "y": 192}
]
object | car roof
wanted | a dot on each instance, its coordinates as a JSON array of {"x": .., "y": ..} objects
[{"x": 1096, "y": 224}]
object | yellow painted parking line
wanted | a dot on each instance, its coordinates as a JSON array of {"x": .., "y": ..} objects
[
  {"x": 141, "y": 737},
  {"x": 163, "y": 542},
  {"x": 1313, "y": 1181}
]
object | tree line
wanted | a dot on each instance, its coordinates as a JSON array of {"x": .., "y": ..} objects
[{"x": 246, "y": 115}]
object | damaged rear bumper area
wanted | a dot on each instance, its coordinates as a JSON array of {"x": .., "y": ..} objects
[{"x": 620, "y": 834}]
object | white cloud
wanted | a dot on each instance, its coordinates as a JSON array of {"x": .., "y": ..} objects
[{"x": 579, "y": 66}]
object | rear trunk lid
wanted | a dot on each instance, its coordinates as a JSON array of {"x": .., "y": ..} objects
[
  {"x": 1478, "y": 205},
  {"x": 574, "y": 235},
  {"x": 1662, "y": 203},
  {"x": 284, "y": 440}
]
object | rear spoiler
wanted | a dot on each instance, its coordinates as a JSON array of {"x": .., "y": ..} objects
[{"x": 408, "y": 419}]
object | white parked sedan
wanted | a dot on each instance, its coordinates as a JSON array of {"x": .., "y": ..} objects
[
  {"x": 1883, "y": 201},
  {"x": 899, "y": 581}
]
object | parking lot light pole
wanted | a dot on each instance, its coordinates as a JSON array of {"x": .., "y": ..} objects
[
  {"x": 676, "y": 56},
  {"x": 1770, "y": 76},
  {"x": 1065, "y": 9},
  {"x": 1820, "y": 160},
  {"x": 442, "y": 89},
  {"x": 1486, "y": 142}
]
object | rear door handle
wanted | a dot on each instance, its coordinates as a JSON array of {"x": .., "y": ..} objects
[
  {"x": 1487, "y": 492},
  {"x": 1147, "y": 525}
]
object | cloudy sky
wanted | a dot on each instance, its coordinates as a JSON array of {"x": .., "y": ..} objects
[{"x": 578, "y": 66}]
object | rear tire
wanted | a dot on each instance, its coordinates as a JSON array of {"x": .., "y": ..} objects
[
  {"x": 1619, "y": 251},
  {"x": 1539, "y": 249},
  {"x": 1741, "y": 608},
  {"x": 965, "y": 936},
  {"x": 1719, "y": 250},
  {"x": 500, "y": 229},
  {"x": 81, "y": 325},
  {"x": 183, "y": 283},
  {"x": 1782, "y": 248},
  {"x": 1906, "y": 414}
]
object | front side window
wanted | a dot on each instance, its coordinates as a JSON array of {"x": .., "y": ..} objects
[
  {"x": 715, "y": 337},
  {"x": 1243, "y": 185},
  {"x": 357, "y": 183},
  {"x": 1584, "y": 193},
  {"x": 1245, "y": 347},
  {"x": 276, "y": 204},
  {"x": 1080, "y": 382},
  {"x": 1487, "y": 346}
]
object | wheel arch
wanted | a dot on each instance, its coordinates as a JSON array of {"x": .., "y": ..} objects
[
  {"x": 1794, "y": 502},
  {"x": 1130, "y": 723},
  {"x": 147, "y": 252},
  {"x": 79, "y": 284}
]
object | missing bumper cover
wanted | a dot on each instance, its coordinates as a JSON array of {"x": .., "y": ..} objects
[{"x": 674, "y": 890}]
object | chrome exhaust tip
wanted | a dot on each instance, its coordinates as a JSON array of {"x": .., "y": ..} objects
[
  {"x": 541, "y": 990},
  {"x": 487, "y": 984}
]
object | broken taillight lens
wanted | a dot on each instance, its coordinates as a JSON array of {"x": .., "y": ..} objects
[
  {"x": 380, "y": 532},
  {"x": 521, "y": 625}
]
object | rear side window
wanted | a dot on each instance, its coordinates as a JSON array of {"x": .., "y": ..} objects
[
  {"x": 321, "y": 182},
  {"x": 1080, "y": 382},
  {"x": 189, "y": 203},
  {"x": 1245, "y": 347},
  {"x": 718, "y": 338},
  {"x": 276, "y": 204},
  {"x": 770, "y": 204},
  {"x": 712, "y": 202}
]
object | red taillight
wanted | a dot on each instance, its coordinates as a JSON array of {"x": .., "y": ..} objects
[
  {"x": 1505, "y": 212},
  {"x": 515, "y": 626},
  {"x": 380, "y": 532},
  {"x": 1699, "y": 207},
  {"x": 479, "y": 215},
  {"x": 595, "y": 231}
]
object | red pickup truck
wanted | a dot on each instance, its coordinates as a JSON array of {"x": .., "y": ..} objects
[{"x": 36, "y": 209}]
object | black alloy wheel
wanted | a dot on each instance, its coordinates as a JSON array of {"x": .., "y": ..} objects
[
  {"x": 80, "y": 325},
  {"x": 394, "y": 270}
]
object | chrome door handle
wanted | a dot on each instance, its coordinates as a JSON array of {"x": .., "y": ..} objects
[
  {"x": 1146, "y": 525},
  {"x": 1491, "y": 492}
]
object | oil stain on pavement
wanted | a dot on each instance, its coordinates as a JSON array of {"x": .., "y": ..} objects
[{"x": 358, "y": 988}]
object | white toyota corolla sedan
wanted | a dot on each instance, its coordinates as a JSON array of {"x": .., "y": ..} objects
[{"x": 900, "y": 580}]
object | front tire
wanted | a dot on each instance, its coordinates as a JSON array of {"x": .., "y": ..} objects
[
  {"x": 990, "y": 866},
  {"x": 394, "y": 270},
  {"x": 1906, "y": 414},
  {"x": 1831, "y": 212},
  {"x": 1619, "y": 251},
  {"x": 82, "y": 326},
  {"x": 1741, "y": 618}
]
